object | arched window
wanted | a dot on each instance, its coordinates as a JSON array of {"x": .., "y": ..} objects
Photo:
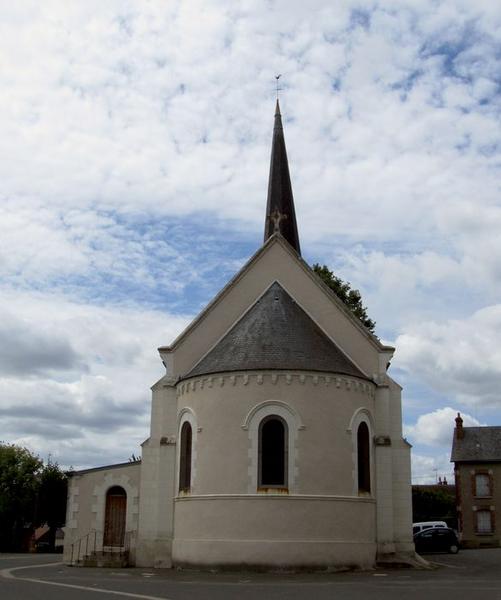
[
  {"x": 363, "y": 459},
  {"x": 273, "y": 452},
  {"x": 185, "y": 458},
  {"x": 114, "y": 517}
]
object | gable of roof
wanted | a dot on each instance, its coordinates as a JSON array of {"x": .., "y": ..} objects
[
  {"x": 478, "y": 444},
  {"x": 276, "y": 238},
  {"x": 275, "y": 333}
]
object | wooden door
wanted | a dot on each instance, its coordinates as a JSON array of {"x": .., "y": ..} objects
[{"x": 114, "y": 520}]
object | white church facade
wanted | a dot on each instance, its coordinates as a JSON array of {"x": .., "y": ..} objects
[{"x": 276, "y": 431}]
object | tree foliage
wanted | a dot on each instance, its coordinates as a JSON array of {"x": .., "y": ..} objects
[
  {"x": 52, "y": 496},
  {"x": 19, "y": 480},
  {"x": 342, "y": 289},
  {"x": 31, "y": 494},
  {"x": 433, "y": 505}
]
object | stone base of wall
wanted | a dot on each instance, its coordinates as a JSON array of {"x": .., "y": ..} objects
[
  {"x": 274, "y": 532},
  {"x": 402, "y": 559},
  {"x": 272, "y": 555},
  {"x": 156, "y": 553}
]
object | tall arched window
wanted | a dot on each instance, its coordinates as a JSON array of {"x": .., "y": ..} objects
[
  {"x": 185, "y": 458},
  {"x": 363, "y": 459},
  {"x": 273, "y": 452}
]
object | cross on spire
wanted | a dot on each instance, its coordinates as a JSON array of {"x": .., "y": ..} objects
[{"x": 276, "y": 217}]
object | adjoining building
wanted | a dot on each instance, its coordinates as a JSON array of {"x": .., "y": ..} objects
[
  {"x": 476, "y": 454},
  {"x": 276, "y": 431}
]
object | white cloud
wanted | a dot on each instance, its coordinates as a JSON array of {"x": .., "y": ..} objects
[
  {"x": 123, "y": 122},
  {"x": 460, "y": 358},
  {"x": 427, "y": 469},
  {"x": 77, "y": 372},
  {"x": 27, "y": 349},
  {"x": 436, "y": 428},
  {"x": 126, "y": 96}
]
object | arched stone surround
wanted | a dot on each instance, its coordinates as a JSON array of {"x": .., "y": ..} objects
[
  {"x": 362, "y": 415},
  {"x": 99, "y": 501}
]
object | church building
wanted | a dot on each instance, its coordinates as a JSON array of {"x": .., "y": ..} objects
[{"x": 276, "y": 431}]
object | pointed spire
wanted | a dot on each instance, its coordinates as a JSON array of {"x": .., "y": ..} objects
[{"x": 280, "y": 213}]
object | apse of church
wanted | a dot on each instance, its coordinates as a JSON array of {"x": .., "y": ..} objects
[{"x": 276, "y": 432}]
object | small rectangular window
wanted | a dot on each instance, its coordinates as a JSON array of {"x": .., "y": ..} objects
[
  {"x": 482, "y": 485},
  {"x": 484, "y": 521}
]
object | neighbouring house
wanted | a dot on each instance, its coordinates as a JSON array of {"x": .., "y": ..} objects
[
  {"x": 476, "y": 454},
  {"x": 45, "y": 540},
  {"x": 276, "y": 431}
]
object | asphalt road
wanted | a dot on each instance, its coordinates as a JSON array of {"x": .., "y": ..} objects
[{"x": 471, "y": 574}]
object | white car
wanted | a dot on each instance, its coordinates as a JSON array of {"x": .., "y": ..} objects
[{"x": 417, "y": 527}]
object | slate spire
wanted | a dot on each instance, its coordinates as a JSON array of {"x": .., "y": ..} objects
[{"x": 280, "y": 213}]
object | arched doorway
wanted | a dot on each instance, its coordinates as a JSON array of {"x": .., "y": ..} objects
[{"x": 114, "y": 518}]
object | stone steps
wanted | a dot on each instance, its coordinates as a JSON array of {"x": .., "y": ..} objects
[{"x": 112, "y": 560}]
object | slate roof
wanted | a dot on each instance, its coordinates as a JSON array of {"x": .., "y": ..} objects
[
  {"x": 479, "y": 444},
  {"x": 104, "y": 468},
  {"x": 275, "y": 333},
  {"x": 280, "y": 199}
]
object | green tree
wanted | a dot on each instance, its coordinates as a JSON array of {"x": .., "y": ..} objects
[
  {"x": 433, "y": 505},
  {"x": 51, "y": 503},
  {"x": 19, "y": 483},
  {"x": 31, "y": 495},
  {"x": 342, "y": 289}
]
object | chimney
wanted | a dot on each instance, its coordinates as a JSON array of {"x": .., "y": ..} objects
[{"x": 459, "y": 428}]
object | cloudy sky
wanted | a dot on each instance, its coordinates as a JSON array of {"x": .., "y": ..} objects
[{"x": 135, "y": 140}]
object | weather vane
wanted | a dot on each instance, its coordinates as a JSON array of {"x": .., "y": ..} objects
[{"x": 277, "y": 77}]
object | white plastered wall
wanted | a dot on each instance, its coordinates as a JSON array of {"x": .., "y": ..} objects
[
  {"x": 318, "y": 520},
  {"x": 394, "y": 492},
  {"x": 402, "y": 490},
  {"x": 154, "y": 545},
  {"x": 384, "y": 472}
]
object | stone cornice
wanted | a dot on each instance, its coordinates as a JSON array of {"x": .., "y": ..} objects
[
  {"x": 276, "y": 496},
  {"x": 237, "y": 379}
]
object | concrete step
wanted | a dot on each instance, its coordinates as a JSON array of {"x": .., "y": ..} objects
[{"x": 104, "y": 559}]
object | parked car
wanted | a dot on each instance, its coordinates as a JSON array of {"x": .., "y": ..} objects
[
  {"x": 43, "y": 547},
  {"x": 436, "y": 539},
  {"x": 417, "y": 527}
]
